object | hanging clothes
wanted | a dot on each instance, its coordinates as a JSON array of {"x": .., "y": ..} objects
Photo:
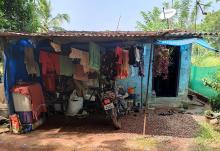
[
  {"x": 50, "y": 68},
  {"x": 49, "y": 81},
  {"x": 141, "y": 61},
  {"x": 31, "y": 65},
  {"x": 137, "y": 55},
  {"x": 123, "y": 68},
  {"x": 161, "y": 63},
  {"x": 82, "y": 55},
  {"x": 119, "y": 55},
  {"x": 94, "y": 56},
  {"x": 85, "y": 61},
  {"x": 75, "y": 53},
  {"x": 50, "y": 62},
  {"x": 108, "y": 65},
  {"x": 133, "y": 71},
  {"x": 35, "y": 93},
  {"x": 66, "y": 66},
  {"x": 56, "y": 47},
  {"x": 132, "y": 59},
  {"x": 14, "y": 68},
  {"x": 79, "y": 73}
]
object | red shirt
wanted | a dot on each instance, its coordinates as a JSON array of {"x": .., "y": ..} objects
[
  {"x": 119, "y": 55},
  {"x": 50, "y": 62}
]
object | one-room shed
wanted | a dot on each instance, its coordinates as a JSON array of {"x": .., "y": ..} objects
[{"x": 163, "y": 73}]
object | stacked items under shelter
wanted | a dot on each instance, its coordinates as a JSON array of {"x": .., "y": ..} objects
[
  {"x": 122, "y": 63},
  {"x": 50, "y": 78},
  {"x": 22, "y": 86}
]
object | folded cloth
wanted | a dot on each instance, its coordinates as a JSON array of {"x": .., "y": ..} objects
[{"x": 35, "y": 93}]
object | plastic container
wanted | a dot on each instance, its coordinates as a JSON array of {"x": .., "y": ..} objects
[
  {"x": 22, "y": 103},
  {"x": 131, "y": 90}
]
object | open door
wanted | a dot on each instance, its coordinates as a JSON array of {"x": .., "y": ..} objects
[{"x": 166, "y": 67}]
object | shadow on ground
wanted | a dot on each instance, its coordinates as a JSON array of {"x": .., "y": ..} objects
[
  {"x": 68, "y": 133},
  {"x": 176, "y": 125}
]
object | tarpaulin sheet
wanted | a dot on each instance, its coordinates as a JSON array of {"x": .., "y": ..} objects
[
  {"x": 14, "y": 68},
  {"x": 182, "y": 42}
]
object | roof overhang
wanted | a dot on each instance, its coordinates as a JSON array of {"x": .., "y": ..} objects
[{"x": 107, "y": 36}]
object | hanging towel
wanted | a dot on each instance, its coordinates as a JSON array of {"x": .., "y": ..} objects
[
  {"x": 31, "y": 65},
  {"x": 82, "y": 55},
  {"x": 94, "y": 56},
  {"x": 75, "y": 53},
  {"x": 85, "y": 61},
  {"x": 66, "y": 66}
]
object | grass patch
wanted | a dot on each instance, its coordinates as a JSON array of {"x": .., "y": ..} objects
[
  {"x": 208, "y": 138},
  {"x": 144, "y": 143},
  {"x": 206, "y": 59}
]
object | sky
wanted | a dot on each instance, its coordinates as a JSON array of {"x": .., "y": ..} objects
[{"x": 101, "y": 15}]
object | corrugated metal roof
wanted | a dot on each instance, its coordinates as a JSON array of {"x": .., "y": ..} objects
[
  {"x": 85, "y": 34},
  {"x": 196, "y": 34},
  {"x": 112, "y": 34}
]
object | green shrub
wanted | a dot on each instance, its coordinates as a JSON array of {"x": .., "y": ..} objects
[
  {"x": 215, "y": 103},
  {"x": 214, "y": 83}
]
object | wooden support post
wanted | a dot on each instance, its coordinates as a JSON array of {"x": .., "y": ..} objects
[{"x": 148, "y": 81}]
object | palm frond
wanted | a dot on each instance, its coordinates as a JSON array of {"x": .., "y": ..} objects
[{"x": 59, "y": 19}]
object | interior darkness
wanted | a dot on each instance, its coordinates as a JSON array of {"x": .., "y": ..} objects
[{"x": 169, "y": 87}]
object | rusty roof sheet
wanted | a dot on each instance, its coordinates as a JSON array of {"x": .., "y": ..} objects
[
  {"x": 112, "y": 34},
  {"x": 197, "y": 34},
  {"x": 85, "y": 34}
]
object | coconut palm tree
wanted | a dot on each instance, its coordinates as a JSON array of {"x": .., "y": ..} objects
[{"x": 48, "y": 22}]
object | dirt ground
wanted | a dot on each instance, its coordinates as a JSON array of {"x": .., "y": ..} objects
[{"x": 164, "y": 133}]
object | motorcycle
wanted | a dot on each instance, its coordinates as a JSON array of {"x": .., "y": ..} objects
[
  {"x": 111, "y": 103},
  {"x": 111, "y": 108}
]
